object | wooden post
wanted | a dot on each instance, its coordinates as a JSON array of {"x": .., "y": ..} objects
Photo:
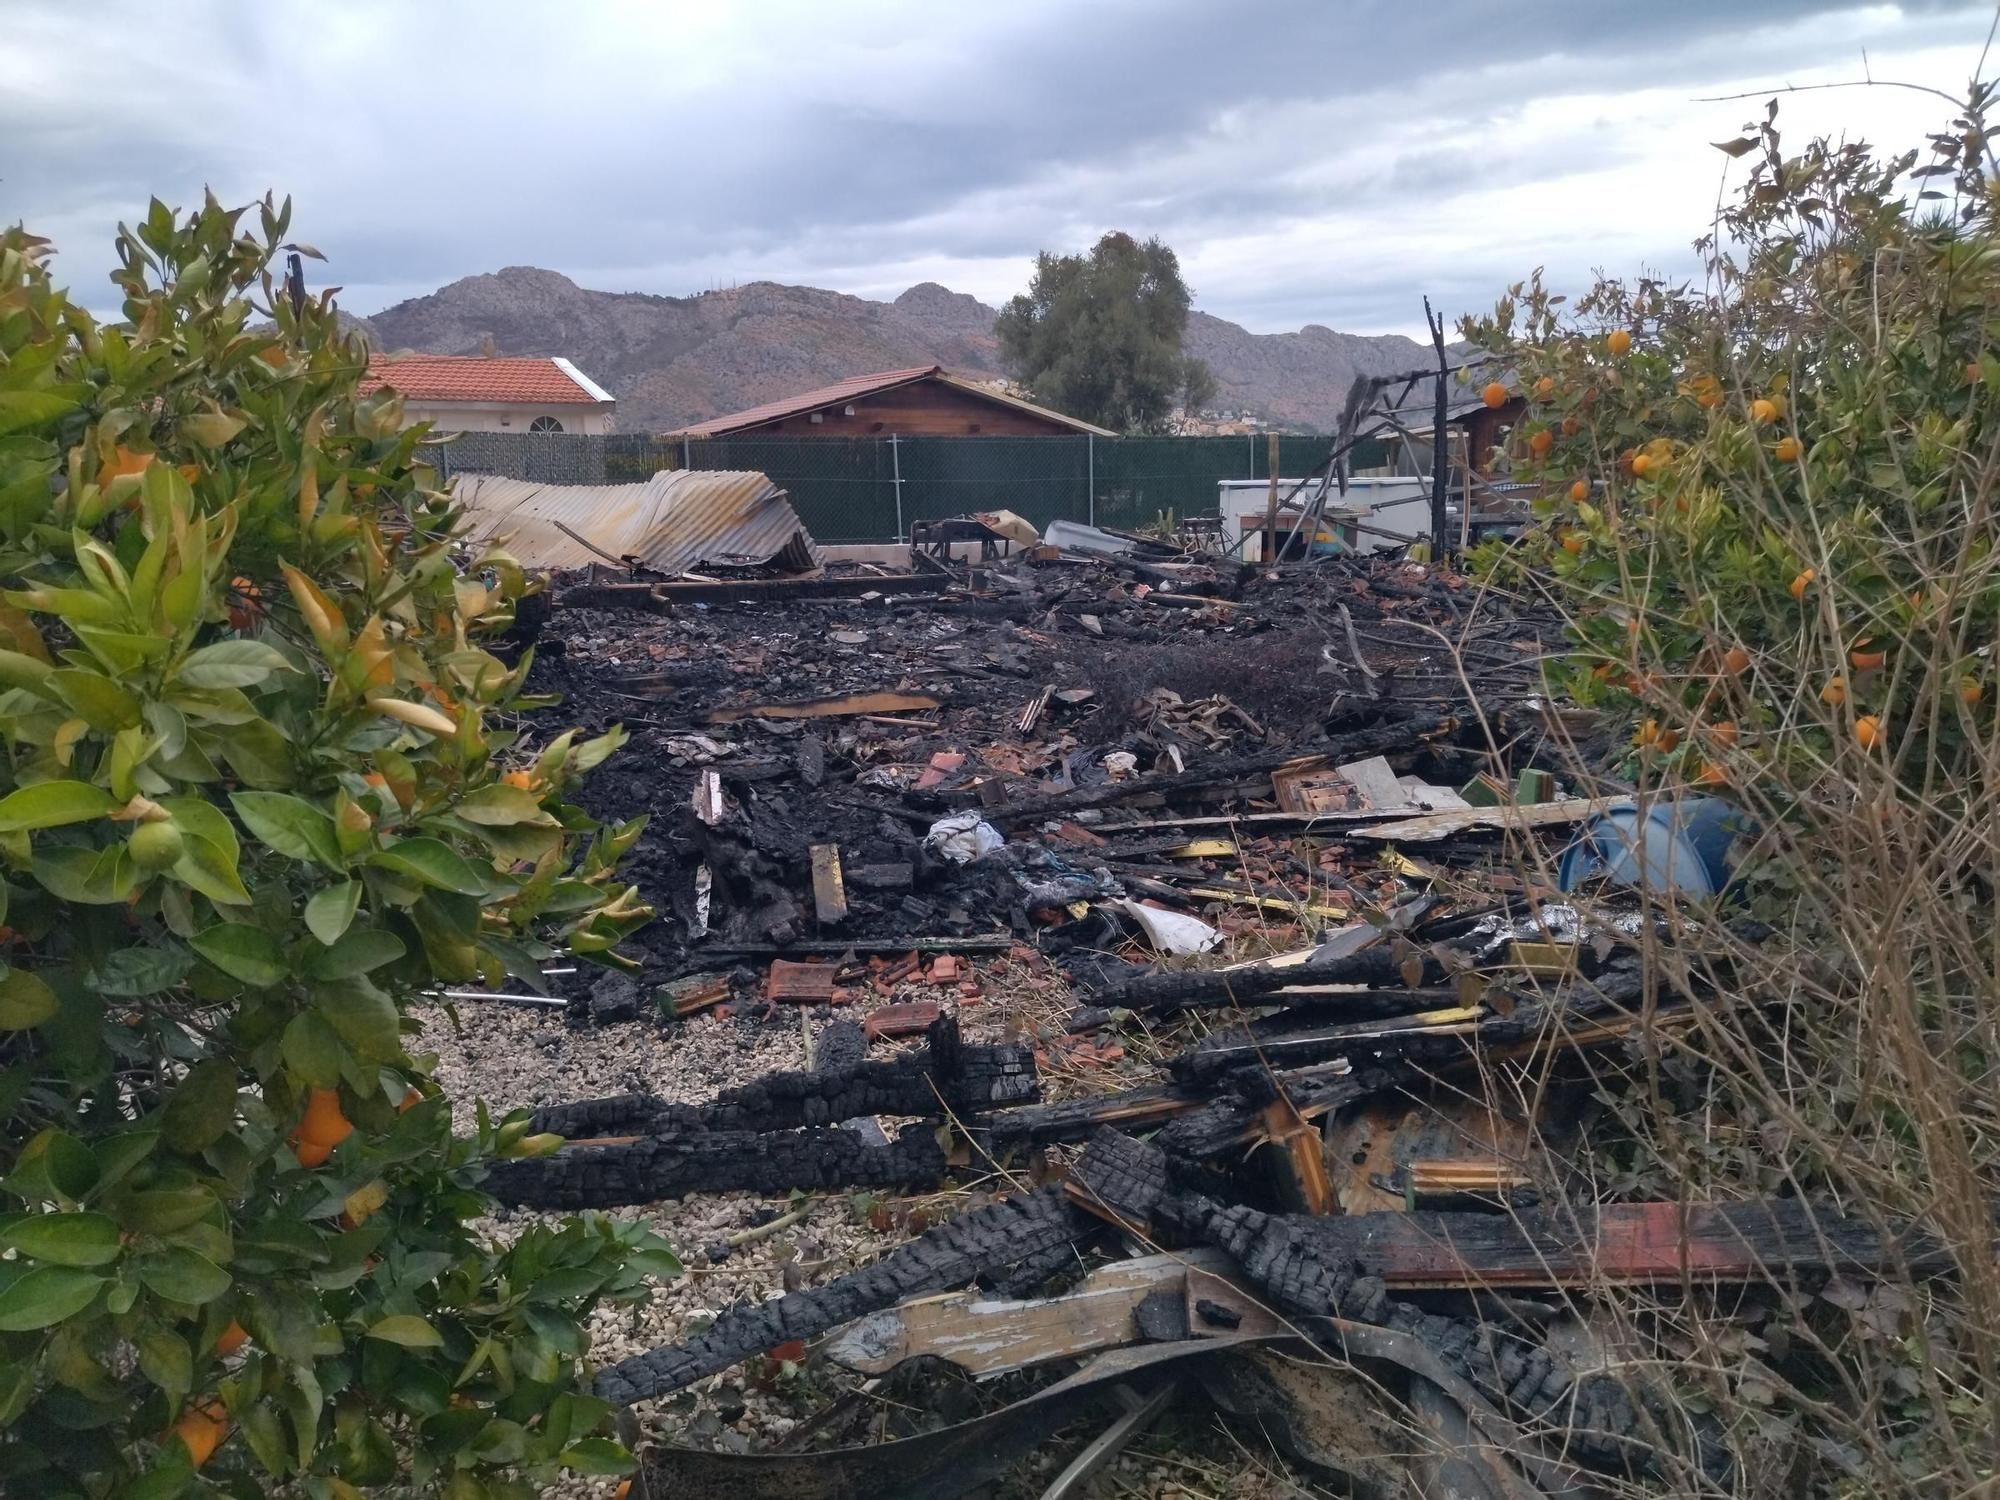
[{"x": 1271, "y": 506}]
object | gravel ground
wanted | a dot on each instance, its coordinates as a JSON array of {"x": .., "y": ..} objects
[{"x": 514, "y": 1058}]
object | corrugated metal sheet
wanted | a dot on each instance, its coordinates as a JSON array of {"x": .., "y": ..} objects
[{"x": 678, "y": 521}]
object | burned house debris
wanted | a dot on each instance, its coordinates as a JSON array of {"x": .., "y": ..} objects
[{"x": 1265, "y": 845}]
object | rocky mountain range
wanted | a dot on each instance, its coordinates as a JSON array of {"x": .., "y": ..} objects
[{"x": 673, "y": 360}]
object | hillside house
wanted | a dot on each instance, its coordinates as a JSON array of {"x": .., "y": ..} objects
[
  {"x": 926, "y": 401},
  {"x": 494, "y": 393}
]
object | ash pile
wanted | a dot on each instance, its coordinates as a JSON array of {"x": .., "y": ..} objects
[{"x": 1221, "y": 958}]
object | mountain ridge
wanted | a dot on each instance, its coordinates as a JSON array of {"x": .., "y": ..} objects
[{"x": 675, "y": 360}]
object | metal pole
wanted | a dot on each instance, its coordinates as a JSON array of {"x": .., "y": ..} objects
[
  {"x": 896, "y": 465},
  {"x": 1440, "y": 459},
  {"x": 685, "y": 464},
  {"x": 1090, "y": 461},
  {"x": 1269, "y": 549}
]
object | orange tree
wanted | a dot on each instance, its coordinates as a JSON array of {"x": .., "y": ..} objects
[
  {"x": 1767, "y": 506},
  {"x": 259, "y": 793},
  {"x": 1768, "y": 503}
]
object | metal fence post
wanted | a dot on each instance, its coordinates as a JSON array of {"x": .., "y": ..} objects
[
  {"x": 1090, "y": 469},
  {"x": 896, "y": 467}
]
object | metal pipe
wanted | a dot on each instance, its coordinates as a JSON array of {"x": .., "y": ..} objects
[
  {"x": 534, "y": 1002},
  {"x": 896, "y": 465}
]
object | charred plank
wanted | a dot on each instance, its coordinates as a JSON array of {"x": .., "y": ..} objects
[
  {"x": 652, "y": 1168},
  {"x": 986, "y": 1244}
]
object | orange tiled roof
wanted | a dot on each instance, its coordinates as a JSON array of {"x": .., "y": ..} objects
[{"x": 473, "y": 377}]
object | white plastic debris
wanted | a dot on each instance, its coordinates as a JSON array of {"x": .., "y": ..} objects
[
  {"x": 963, "y": 837},
  {"x": 1170, "y": 931},
  {"x": 1121, "y": 763}
]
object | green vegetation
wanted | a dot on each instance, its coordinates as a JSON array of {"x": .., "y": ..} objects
[
  {"x": 1769, "y": 511},
  {"x": 1098, "y": 336},
  {"x": 263, "y": 786}
]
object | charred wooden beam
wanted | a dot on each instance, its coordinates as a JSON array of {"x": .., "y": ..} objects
[
  {"x": 946, "y": 1076},
  {"x": 1261, "y": 984},
  {"x": 648, "y": 1169},
  {"x": 1373, "y": 741},
  {"x": 986, "y": 1244}
]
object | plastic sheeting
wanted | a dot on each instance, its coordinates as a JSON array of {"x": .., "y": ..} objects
[{"x": 679, "y": 521}]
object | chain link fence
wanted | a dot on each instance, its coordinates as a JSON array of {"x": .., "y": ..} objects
[{"x": 871, "y": 489}]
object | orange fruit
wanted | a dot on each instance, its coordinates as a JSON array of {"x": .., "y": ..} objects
[
  {"x": 1835, "y": 692},
  {"x": 1723, "y": 734},
  {"x": 1864, "y": 660},
  {"x": 1970, "y": 692},
  {"x": 1868, "y": 732},
  {"x": 1763, "y": 412},
  {"x": 1642, "y": 464},
  {"x": 1541, "y": 442},
  {"x": 521, "y": 779},
  {"x": 1571, "y": 426},
  {"x": 321, "y": 1128},
  {"x": 1973, "y": 374},
  {"x": 1668, "y": 740},
  {"x": 1801, "y": 583},
  {"x": 412, "y": 1097},
  {"x": 1494, "y": 393},
  {"x": 1618, "y": 341},
  {"x": 1579, "y": 491},
  {"x": 1736, "y": 661},
  {"x": 624, "y": 1490},
  {"x": 1544, "y": 388},
  {"x": 1787, "y": 451},
  {"x": 1711, "y": 775},
  {"x": 201, "y": 1430},
  {"x": 232, "y": 1338},
  {"x": 1572, "y": 542}
]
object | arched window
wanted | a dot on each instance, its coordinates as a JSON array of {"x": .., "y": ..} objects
[{"x": 545, "y": 424}]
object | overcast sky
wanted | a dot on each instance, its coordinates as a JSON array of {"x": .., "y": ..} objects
[{"x": 1312, "y": 161}]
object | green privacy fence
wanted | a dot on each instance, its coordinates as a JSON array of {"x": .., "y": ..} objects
[{"x": 871, "y": 489}]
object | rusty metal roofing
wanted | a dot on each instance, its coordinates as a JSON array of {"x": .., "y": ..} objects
[
  {"x": 857, "y": 386},
  {"x": 679, "y": 521}
]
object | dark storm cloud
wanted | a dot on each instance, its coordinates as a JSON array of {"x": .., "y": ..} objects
[{"x": 659, "y": 148}]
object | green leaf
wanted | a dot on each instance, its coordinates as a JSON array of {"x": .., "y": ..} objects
[
  {"x": 364, "y": 1018},
  {"x": 182, "y": 1276},
  {"x": 25, "y": 1002},
  {"x": 51, "y": 804},
  {"x": 46, "y": 1296},
  {"x": 331, "y": 910},
  {"x": 431, "y": 862},
  {"x": 164, "y": 1359},
  {"x": 161, "y": 1211},
  {"x": 356, "y": 953},
  {"x": 203, "y": 819},
  {"x": 596, "y": 1456},
  {"x": 312, "y": 1050},
  {"x": 265, "y": 1434},
  {"x": 97, "y": 700},
  {"x": 64, "y": 1239},
  {"x": 231, "y": 664},
  {"x": 258, "y": 754},
  {"x": 243, "y": 952},
  {"x": 141, "y": 971},
  {"x": 212, "y": 428},
  {"x": 201, "y": 1107},
  {"x": 20, "y": 409},
  {"x": 209, "y": 868},
  {"x": 499, "y": 806},
  {"x": 407, "y": 1329},
  {"x": 291, "y": 825}
]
